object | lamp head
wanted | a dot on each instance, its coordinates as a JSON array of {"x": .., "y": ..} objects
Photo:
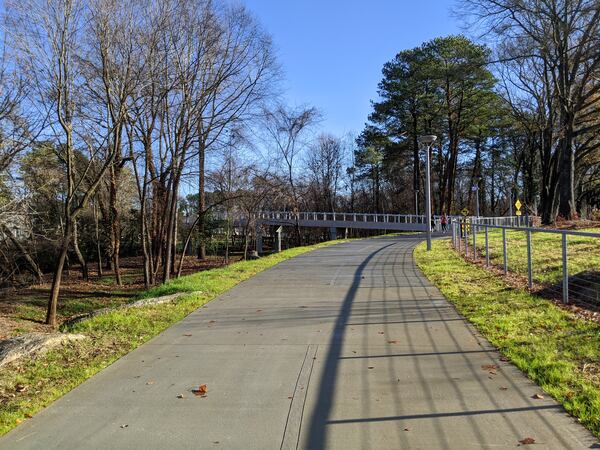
[{"x": 428, "y": 139}]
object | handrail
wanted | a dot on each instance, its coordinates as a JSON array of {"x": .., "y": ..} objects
[{"x": 464, "y": 234}]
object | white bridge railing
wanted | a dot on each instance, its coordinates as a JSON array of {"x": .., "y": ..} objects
[
  {"x": 339, "y": 217},
  {"x": 292, "y": 217}
]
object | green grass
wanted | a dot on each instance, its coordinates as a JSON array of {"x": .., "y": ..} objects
[
  {"x": 45, "y": 378},
  {"x": 555, "y": 348},
  {"x": 583, "y": 252}
]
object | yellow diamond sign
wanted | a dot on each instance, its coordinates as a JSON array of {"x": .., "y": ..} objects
[{"x": 518, "y": 204}]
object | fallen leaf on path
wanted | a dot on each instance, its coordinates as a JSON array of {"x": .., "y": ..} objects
[
  {"x": 211, "y": 321},
  {"x": 537, "y": 396},
  {"x": 392, "y": 342},
  {"x": 381, "y": 332},
  {"x": 489, "y": 367},
  {"x": 201, "y": 391},
  {"x": 180, "y": 396},
  {"x": 407, "y": 429},
  {"x": 527, "y": 441},
  {"x": 503, "y": 388},
  {"x": 124, "y": 425},
  {"x": 187, "y": 334},
  {"x": 290, "y": 397},
  {"x": 371, "y": 367},
  {"x": 259, "y": 310},
  {"x": 150, "y": 382}
]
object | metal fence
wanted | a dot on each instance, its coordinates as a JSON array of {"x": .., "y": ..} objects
[{"x": 568, "y": 262}]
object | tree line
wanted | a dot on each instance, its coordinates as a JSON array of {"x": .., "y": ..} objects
[{"x": 516, "y": 116}]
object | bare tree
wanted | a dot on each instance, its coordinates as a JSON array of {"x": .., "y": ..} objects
[
  {"x": 324, "y": 167},
  {"x": 238, "y": 72},
  {"x": 285, "y": 129},
  {"x": 48, "y": 37}
]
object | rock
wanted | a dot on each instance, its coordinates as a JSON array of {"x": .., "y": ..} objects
[
  {"x": 155, "y": 300},
  {"x": 136, "y": 304},
  {"x": 32, "y": 343}
]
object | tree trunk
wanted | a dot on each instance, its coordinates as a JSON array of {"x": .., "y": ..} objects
[
  {"x": 170, "y": 234},
  {"x": 201, "y": 201},
  {"x": 98, "y": 245},
  {"x": 115, "y": 219},
  {"x": 56, "y": 281},
  {"x": 416, "y": 163},
  {"x": 80, "y": 258},
  {"x": 566, "y": 182}
]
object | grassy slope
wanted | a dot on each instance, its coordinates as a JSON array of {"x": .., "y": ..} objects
[
  {"x": 584, "y": 253},
  {"x": 28, "y": 386},
  {"x": 558, "y": 351}
]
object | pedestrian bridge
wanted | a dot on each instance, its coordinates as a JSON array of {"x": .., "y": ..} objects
[
  {"x": 366, "y": 221},
  {"x": 392, "y": 222}
]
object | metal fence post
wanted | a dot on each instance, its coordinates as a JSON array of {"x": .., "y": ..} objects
[
  {"x": 529, "y": 262},
  {"x": 565, "y": 269},
  {"x": 505, "y": 253},
  {"x": 459, "y": 235},
  {"x": 466, "y": 240},
  {"x": 474, "y": 231},
  {"x": 487, "y": 247}
]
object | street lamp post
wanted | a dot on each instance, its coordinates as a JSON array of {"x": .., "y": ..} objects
[{"x": 427, "y": 142}]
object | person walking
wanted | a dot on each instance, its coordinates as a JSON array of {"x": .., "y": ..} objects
[{"x": 444, "y": 222}]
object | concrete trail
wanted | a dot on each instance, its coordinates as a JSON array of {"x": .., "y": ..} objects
[{"x": 347, "y": 347}]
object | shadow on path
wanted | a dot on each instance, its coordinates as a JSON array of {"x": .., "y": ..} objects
[{"x": 319, "y": 420}]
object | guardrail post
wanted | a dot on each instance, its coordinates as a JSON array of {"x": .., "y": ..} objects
[
  {"x": 565, "y": 269},
  {"x": 474, "y": 231},
  {"x": 529, "y": 262},
  {"x": 487, "y": 247},
  {"x": 504, "y": 252}
]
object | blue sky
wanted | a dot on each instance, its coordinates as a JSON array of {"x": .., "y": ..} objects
[{"x": 332, "y": 51}]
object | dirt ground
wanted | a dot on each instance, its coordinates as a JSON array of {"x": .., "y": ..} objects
[
  {"x": 24, "y": 310},
  {"x": 576, "y": 224}
]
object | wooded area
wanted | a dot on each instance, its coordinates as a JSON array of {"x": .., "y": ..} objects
[{"x": 147, "y": 128}]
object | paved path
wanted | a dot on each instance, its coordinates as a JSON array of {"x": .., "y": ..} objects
[{"x": 348, "y": 347}]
